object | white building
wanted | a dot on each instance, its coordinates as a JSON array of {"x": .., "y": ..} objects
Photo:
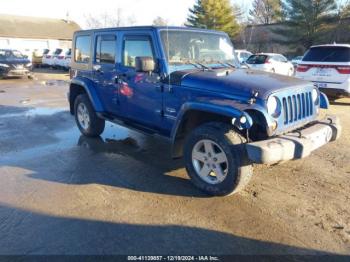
[{"x": 29, "y": 33}]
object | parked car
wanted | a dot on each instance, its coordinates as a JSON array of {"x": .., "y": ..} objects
[
  {"x": 296, "y": 60},
  {"x": 328, "y": 66},
  {"x": 49, "y": 59},
  {"x": 14, "y": 63},
  {"x": 37, "y": 60},
  {"x": 63, "y": 60},
  {"x": 242, "y": 55},
  {"x": 270, "y": 62},
  {"x": 219, "y": 117},
  {"x": 59, "y": 58}
]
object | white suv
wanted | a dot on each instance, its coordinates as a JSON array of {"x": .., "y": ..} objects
[{"x": 328, "y": 66}]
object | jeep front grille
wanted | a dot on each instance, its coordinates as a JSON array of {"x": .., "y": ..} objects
[{"x": 297, "y": 107}]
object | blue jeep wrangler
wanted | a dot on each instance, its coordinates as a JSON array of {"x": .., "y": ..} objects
[{"x": 187, "y": 85}]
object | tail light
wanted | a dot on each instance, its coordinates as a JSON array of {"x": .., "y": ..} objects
[
  {"x": 60, "y": 57},
  {"x": 267, "y": 61},
  {"x": 48, "y": 56},
  {"x": 303, "y": 68},
  {"x": 343, "y": 70}
]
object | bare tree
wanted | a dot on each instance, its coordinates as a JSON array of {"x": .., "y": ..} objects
[
  {"x": 160, "y": 21},
  {"x": 108, "y": 19},
  {"x": 265, "y": 11}
]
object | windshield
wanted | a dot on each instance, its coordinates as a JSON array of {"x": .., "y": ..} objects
[
  {"x": 188, "y": 49},
  {"x": 10, "y": 54},
  {"x": 328, "y": 54},
  {"x": 17, "y": 54}
]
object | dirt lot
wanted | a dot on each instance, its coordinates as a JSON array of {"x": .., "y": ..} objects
[{"x": 61, "y": 193}]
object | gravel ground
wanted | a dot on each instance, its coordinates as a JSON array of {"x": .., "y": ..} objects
[{"x": 61, "y": 193}]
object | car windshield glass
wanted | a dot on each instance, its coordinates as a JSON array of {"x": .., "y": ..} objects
[
  {"x": 46, "y": 51},
  {"x": 328, "y": 54},
  {"x": 188, "y": 49},
  {"x": 16, "y": 54},
  {"x": 257, "y": 59}
]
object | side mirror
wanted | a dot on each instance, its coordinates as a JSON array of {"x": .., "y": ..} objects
[{"x": 144, "y": 64}]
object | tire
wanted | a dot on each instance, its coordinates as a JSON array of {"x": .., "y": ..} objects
[
  {"x": 87, "y": 121},
  {"x": 237, "y": 169},
  {"x": 273, "y": 71}
]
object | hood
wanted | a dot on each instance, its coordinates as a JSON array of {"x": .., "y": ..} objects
[{"x": 240, "y": 82}]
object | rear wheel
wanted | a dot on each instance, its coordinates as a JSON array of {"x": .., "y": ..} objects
[
  {"x": 216, "y": 160},
  {"x": 88, "y": 122}
]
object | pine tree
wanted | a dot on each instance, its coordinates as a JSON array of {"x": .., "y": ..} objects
[
  {"x": 265, "y": 11},
  {"x": 196, "y": 16},
  {"x": 214, "y": 14}
]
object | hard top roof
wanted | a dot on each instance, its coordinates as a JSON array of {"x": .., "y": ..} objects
[{"x": 157, "y": 28}]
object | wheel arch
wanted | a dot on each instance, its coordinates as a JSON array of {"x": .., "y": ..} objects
[
  {"x": 78, "y": 87},
  {"x": 193, "y": 115}
]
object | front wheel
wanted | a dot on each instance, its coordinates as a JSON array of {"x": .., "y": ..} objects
[
  {"x": 216, "y": 160},
  {"x": 88, "y": 122}
]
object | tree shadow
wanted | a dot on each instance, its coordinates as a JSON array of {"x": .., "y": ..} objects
[
  {"x": 339, "y": 103},
  {"x": 24, "y": 232}
]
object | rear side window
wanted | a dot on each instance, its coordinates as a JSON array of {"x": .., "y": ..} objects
[
  {"x": 134, "y": 47},
  {"x": 106, "y": 49},
  {"x": 257, "y": 59},
  {"x": 82, "y": 49},
  {"x": 328, "y": 54}
]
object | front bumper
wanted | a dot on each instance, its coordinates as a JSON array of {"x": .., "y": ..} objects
[
  {"x": 295, "y": 145},
  {"x": 18, "y": 72}
]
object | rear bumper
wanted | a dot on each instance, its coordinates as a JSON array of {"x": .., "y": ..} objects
[
  {"x": 335, "y": 92},
  {"x": 295, "y": 145},
  {"x": 335, "y": 89}
]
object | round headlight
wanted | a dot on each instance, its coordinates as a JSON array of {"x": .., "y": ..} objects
[
  {"x": 315, "y": 95},
  {"x": 273, "y": 106}
]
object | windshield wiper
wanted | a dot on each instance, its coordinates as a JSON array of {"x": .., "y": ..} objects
[
  {"x": 226, "y": 64},
  {"x": 204, "y": 67}
]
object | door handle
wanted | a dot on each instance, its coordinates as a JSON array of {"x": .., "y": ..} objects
[{"x": 120, "y": 78}]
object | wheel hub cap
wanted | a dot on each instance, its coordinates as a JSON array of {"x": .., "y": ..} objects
[
  {"x": 210, "y": 161},
  {"x": 83, "y": 116}
]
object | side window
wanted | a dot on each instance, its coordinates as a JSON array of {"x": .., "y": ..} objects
[
  {"x": 82, "y": 49},
  {"x": 134, "y": 47},
  {"x": 106, "y": 49},
  {"x": 276, "y": 58}
]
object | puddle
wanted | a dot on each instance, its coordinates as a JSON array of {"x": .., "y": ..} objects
[
  {"x": 42, "y": 111},
  {"x": 55, "y": 83},
  {"x": 24, "y": 101}
]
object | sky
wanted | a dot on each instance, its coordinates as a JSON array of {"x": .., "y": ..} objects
[{"x": 142, "y": 12}]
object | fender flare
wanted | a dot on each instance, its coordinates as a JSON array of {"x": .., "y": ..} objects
[
  {"x": 90, "y": 91},
  {"x": 324, "y": 102},
  {"x": 230, "y": 112}
]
